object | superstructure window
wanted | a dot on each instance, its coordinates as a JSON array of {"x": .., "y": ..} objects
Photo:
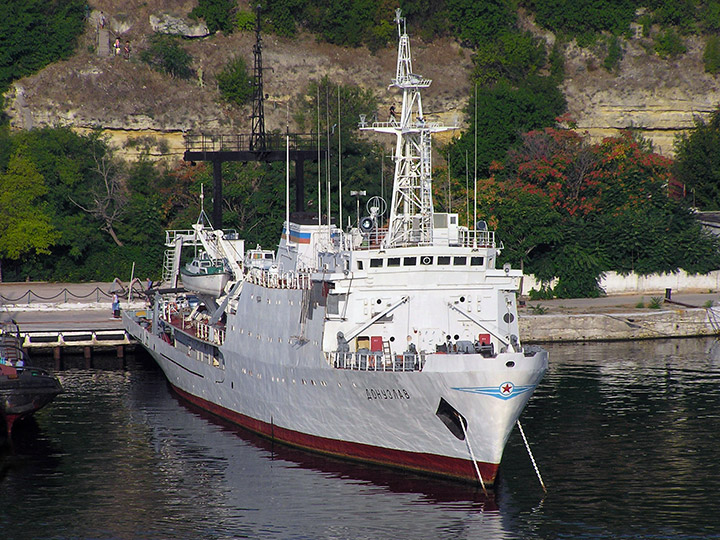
[
  {"x": 443, "y": 261},
  {"x": 360, "y": 265},
  {"x": 376, "y": 263},
  {"x": 477, "y": 261},
  {"x": 409, "y": 261},
  {"x": 426, "y": 260},
  {"x": 460, "y": 261},
  {"x": 393, "y": 261}
]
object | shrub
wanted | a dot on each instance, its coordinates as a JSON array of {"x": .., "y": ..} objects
[
  {"x": 614, "y": 54},
  {"x": 216, "y": 13},
  {"x": 234, "y": 82},
  {"x": 245, "y": 21},
  {"x": 711, "y": 56},
  {"x": 669, "y": 44},
  {"x": 166, "y": 55}
]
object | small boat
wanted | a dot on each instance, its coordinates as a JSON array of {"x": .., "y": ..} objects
[
  {"x": 23, "y": 389},
  {"x": 205, "y": 275}
]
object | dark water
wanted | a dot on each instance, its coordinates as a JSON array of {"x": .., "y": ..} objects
[{"x": 626, "y": 437}]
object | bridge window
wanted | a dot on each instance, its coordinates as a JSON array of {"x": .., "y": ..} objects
[
  {"x": 443, "y": 261},
  {"x": 376, "y": 263},
  {"x": 409, "y": 261},
  {"x": 460, "y": 261},
  {"x": 393, "y": 261},
  {"x": 476, "y": 261}
]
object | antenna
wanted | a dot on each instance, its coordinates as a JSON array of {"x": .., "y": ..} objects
[{"x": 340, "y": 206}]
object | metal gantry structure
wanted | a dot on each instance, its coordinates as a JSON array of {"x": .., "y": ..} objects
[
  {"x": 411, "y": 210},
  {"x": 257, "y": 146},
  {"x": 257, "y": 120}
]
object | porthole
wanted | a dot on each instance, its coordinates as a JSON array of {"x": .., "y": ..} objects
[{"x": 462, "y": 298}]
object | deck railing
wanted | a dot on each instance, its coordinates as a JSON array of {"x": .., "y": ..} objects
[
  {"x": 376, "y": 361},
  {"x": 204, "y": 142},
  {"x": 279, "y": 280}
]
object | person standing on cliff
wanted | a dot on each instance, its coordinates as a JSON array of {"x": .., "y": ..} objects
[
  {"x": 126, "y": 51},
  {"x": 116, "y": 47}
]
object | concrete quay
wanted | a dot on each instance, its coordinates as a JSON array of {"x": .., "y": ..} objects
[
  {"x": 70, "y": 317},
  {"x": 622, "y": 317}
]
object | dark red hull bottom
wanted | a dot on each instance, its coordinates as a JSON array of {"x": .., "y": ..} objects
[{"x": 459, "y": 469}]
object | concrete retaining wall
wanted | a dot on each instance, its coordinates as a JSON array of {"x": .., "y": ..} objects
[
  {"x": 614, "y": 283},
  {"x": 616, "y": 326}
]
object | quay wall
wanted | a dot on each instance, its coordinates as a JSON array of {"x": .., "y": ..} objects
[{"x": 666, "y": 323}]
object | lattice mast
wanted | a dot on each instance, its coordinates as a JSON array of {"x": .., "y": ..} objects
[
  {"x": 257, "y": 119},
  {"x": 411, "y": 210}
]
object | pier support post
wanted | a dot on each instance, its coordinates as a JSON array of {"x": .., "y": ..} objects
[
  {"x": 87, "y": 355},
  {"x": 121, "y": 351},
  {"x": 57, "y": 357}
]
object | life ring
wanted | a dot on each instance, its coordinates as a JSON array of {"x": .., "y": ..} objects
[{"x": 426, "y": 260}]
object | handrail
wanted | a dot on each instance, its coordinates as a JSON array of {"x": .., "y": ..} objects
[{"x": 376, "y": 361}]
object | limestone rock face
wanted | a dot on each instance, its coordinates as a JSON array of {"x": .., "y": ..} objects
[
  {"x": 658, "y": 97},
  {"x": 167, "y": 23},
  {"x": 661, "y": 98}
]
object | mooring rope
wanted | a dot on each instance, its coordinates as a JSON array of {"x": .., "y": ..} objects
[
  {"x": 532, "y": 458},
  {"x": 472, "y": 456}
]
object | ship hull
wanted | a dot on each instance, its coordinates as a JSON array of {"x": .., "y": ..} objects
[{"x": 378, "y": 417}]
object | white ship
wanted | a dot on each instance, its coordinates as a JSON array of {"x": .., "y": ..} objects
[{"x": 395, "y": 345}]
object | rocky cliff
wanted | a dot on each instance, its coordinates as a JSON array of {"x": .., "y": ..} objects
[{"x": 128, "y": 100}]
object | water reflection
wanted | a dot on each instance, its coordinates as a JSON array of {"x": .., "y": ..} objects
[{"x": 623, "y": 434}]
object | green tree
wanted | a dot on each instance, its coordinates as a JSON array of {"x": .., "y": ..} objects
[
  {"x": 234, "y": 82},
  {"x": 218, "y": 14},
  {"x": 697, "y": 162},
  {"x": 711, "y": 55},
  {"x": 479, "y": 22},
  {"x": 504, "y": 112},
  {"x": 167, "y": 56},
  {"x": 25, "y": 227},
  {"x": 605, "y": 206},
  {"x": 586, "y": 19},
  {"x": 35, "y": 33}
]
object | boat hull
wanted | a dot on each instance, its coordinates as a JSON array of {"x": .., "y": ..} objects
[
  {"x": 23, "y": 391},
  {"x": 388, "y": 418},
  {"x": 211, "y": 284}
]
